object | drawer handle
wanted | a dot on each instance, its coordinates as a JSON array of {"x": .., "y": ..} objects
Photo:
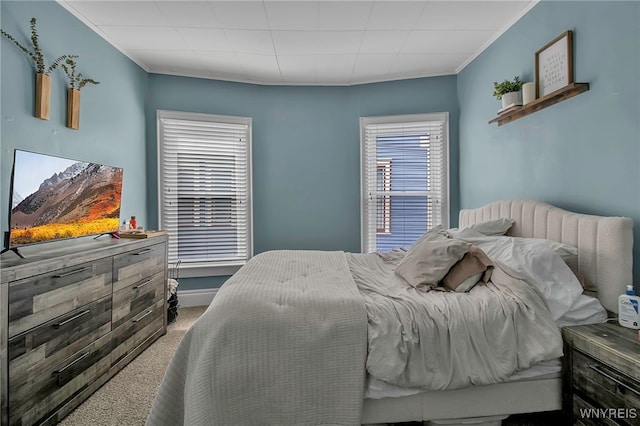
[
  {"x": 143, "y": 315},
  {"x": 75, "y": 361},
  {"x": 599, "y": 370},
  {"x": 145, "y": 251},
  {"x": 139, "y": 286},
  {"x": 75, "y": 271},
  {"x": 73, "y": 318}
]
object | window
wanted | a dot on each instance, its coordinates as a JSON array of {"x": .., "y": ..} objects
[
  {"x": 205, "y": 191},
  {"x": 404, "y": 178}
]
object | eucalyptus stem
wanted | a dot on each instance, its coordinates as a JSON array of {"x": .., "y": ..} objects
[
  {"x": 36, "y": 54},
  {"x": 75, "y": 80}
]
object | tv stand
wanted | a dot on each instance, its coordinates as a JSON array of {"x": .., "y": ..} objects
[{"x": 13, "y": 249}]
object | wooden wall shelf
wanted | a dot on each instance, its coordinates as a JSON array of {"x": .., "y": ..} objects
[{"x": 560, "y": 95}]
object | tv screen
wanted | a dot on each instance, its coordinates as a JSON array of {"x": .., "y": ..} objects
[{"x": 55, "y": 198}]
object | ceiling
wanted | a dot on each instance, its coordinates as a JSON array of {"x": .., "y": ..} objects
[{"x": 300, "y": 42}]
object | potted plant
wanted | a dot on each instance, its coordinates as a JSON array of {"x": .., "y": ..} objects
[
  {"x": 76, "y": 82},
  {"x": 508, "y": 91},
  {"x": 43, "y": 79}
]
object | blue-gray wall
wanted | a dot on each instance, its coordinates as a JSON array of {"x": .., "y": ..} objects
[
  {"x": 112, "y": 127},
  {"x": 582, "y": 154},
  {"x": 306, "y": 150}
]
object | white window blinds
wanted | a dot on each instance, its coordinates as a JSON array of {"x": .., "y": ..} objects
[
  {"x": 205, "y": 187},
  {"x": 404, "y": 178}
]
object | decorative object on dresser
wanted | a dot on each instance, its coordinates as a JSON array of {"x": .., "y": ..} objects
[
  {"x": 142, "y": 233},
  {"x": 74, "y": 313},
  {"x": 601, "y": 374}
]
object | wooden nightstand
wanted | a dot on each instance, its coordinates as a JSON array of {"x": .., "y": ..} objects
[{"x": 601, "y": 375}]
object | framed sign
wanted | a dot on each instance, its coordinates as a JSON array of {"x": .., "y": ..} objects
[{"x": 554, "y": 65}]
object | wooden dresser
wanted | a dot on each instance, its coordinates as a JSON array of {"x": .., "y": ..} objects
[
  {"x": 72, "y": 314},
  {"x": 601, "y": 375}
]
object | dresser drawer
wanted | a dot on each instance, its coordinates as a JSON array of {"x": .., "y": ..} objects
[
  {"x": 134, "y": 332},
  {"x": 41, "y": 298},
  {"x": 130, "y": 301},
  {"x": 586, "y": 414},
  {"x": 33, "y": 355},
  {"x": 607, "y": 387},
  {"x": 49, "y": 391},
  {"x": 137, "y": 265}
]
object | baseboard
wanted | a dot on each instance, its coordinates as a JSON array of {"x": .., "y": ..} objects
[{"x": 201, "y": 297}]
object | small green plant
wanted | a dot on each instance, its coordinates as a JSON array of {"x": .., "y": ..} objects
[
  {"x": 507, "y": 86},
  {"x": 36, "y": 54},
  {"x": 75, "y": 79}
]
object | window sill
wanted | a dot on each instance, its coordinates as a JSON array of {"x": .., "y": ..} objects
[{"x": 206, "y": 270}]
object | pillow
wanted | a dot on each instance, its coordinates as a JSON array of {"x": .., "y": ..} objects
[
  {"x": 492, "y": 227},
  {"x": 474, "y": 266},
  {"x": 429, "y": 260},
  {"x": 566, "y": 251},
  {"x": 434, "y": 233}
]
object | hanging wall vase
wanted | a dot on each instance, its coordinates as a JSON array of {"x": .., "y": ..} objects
[
  {"x": 73, "y": 109},
  {"x": 43, "y": 96}
]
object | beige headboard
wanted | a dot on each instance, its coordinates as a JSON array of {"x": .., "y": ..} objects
[{"x": 605, "y": 244}]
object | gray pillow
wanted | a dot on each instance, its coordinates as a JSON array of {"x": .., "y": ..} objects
[
  {"x": 490, "y": 227},
  {"x": 437, "y": 232},
  {"x": 429, "y": 260},
  {"x": 494, "y": 227}
]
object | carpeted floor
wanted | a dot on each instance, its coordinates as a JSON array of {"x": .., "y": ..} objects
[{"x": 126, "y": 399}]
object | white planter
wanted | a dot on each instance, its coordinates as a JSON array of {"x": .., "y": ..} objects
[{"x": 511, "y": 98}]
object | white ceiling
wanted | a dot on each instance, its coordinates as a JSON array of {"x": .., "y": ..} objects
[{"x": 300, "y": 42}]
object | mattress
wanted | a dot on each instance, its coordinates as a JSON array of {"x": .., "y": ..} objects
[{"x": 378, "y": 389}]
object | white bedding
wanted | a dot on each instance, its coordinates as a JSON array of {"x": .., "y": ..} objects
[
  {"x": 529, "y": 259},
  {"x": 285, "y": 339},
  {"x": 440, "y": 340}
]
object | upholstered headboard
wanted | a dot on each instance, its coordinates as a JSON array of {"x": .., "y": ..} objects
[{"x": 605, "y": 243}]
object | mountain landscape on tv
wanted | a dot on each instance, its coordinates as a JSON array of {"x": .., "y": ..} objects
[{"x": 83, "y": 199}]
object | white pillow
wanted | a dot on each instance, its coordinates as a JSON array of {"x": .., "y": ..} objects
[{"x": 535, "y": 261}]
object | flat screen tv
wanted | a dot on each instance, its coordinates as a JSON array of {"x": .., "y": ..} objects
[{"x": 55, "y": 198}]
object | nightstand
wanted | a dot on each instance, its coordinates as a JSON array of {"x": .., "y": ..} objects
[{"x": 601, "y": 375}]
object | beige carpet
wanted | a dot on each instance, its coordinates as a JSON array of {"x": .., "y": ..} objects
[{"x": 126, "y": 399}]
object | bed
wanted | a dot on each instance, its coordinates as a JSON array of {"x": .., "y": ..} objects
[{"x": 297, "y": 355}]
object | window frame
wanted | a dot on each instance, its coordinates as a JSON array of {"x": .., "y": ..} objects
[
  {"x": 389, "y": 120},
  {"x": 208, "y": 268},
  {"x": 384, "y": 164}
]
